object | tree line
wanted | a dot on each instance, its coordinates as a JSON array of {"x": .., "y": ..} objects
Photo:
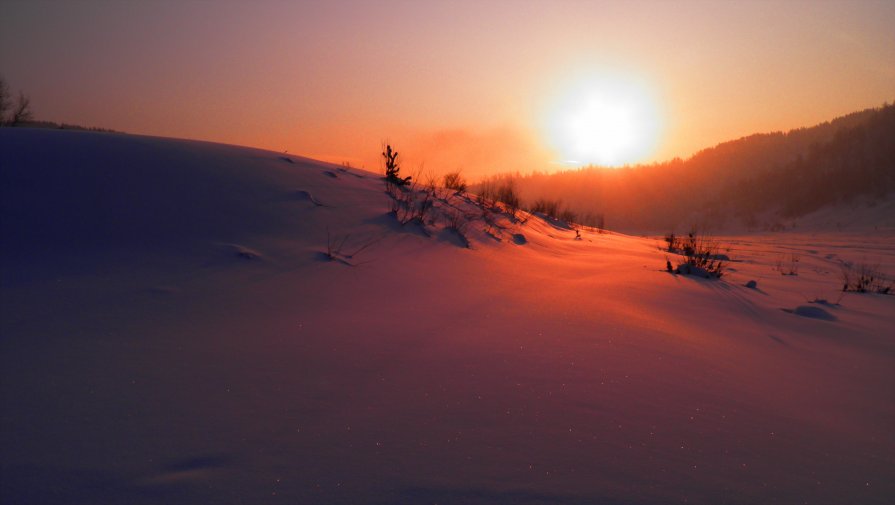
[{"x": 748, "y": 181}]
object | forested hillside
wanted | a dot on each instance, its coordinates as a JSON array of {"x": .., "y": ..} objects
[{"x": 751, "y": 181}]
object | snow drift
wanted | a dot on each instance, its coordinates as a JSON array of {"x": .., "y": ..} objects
[{"x": 177, "y": 328}]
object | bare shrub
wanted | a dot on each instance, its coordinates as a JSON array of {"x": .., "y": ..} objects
[
  {"x": 700, "y": 257},
  {"x": 336, "y": 248},
  {"x": 395, "y": 203},
  {"x": 22, "y": 113},
  {"x": 506, "y": 194},
  {"x": 334, "y": 245},
  {"x": 865, "y": 278},
  {"x": 674, "y": 242},
  {"x": 485, "y": 195},
  {"x": 426, "y": 199},
  {"x": 788, "y": 265},
  {"x": 414, "y": 202},
  {"x": 455, "y": 182},
  {"x": 455, "y": 220}
]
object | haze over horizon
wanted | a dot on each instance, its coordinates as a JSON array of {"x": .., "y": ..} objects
[
  {"x": 189, "y": 314},
  {"x": 493, "y": 87}
]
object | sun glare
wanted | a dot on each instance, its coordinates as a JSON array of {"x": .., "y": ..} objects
[{"x": 604, "y": 120}]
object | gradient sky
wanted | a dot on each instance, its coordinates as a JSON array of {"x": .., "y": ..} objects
[{"x": 454, "y": 85}]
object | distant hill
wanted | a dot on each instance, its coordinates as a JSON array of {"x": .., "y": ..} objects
[
  {"x": 753, "y": 181},
  {"x": 859, "y": 161}
]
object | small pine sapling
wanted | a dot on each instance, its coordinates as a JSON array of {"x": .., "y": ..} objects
[{"x": 393, "y": 169}]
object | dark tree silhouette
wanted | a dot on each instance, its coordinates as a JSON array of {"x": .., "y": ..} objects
[
  {"x": 757, "y": 180},
  {"x": 22, "y": 112},
  {"x": 392, "y": 168}
]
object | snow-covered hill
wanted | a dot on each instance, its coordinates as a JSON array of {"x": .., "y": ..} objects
[{"x": 175, "y": 331}]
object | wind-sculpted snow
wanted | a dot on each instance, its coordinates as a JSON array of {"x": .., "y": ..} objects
[{"x": 182, "y": 323}]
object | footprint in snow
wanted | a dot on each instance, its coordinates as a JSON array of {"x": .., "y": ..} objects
[{"x": 519, "y": 239}]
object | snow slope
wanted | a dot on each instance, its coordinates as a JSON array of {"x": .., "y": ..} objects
[{"x": 173, "y": 332}]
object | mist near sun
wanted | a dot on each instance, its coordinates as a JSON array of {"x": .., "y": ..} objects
[{"x": 605, "y": 119}]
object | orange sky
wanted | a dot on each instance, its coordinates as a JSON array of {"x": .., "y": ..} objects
[{"x": 454, "y": 85}]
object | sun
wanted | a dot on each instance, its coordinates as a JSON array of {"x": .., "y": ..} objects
[{"x": 607, "y": 120}]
